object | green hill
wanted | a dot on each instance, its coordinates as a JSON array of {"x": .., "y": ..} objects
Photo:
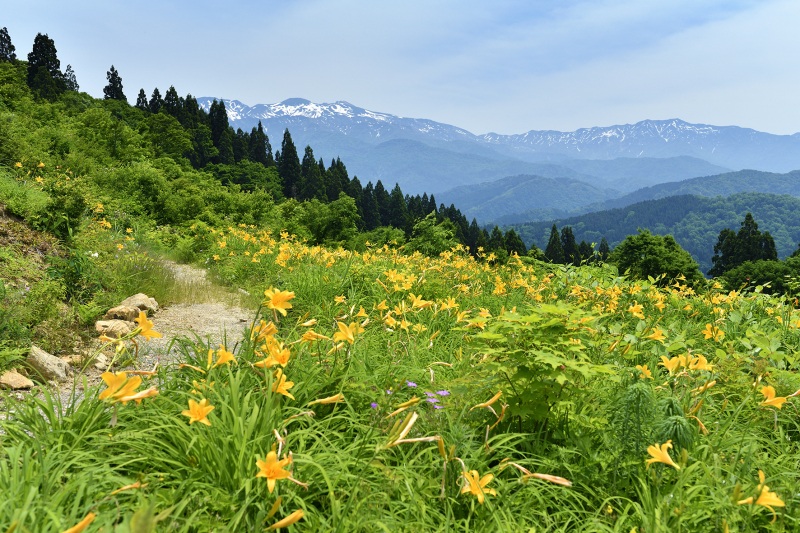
[{"x": 694, "y": 221}]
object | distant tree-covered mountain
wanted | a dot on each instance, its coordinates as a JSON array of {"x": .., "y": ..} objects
[
  {"x": 694, "y": 221},
  {"x": 423, "y": 155}
]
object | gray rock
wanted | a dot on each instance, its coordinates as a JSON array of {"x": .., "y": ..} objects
[
  {"x": 122, "y": 312},
  {"x": 14, "y": 380},
  {"x": 47, "y": 366},
  {"x": 141, "y": 301},
  {"x": 114, "y": 328}
]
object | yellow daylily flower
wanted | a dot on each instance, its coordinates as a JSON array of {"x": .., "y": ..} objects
[
  {"x": 671, "y": 364},
  {"x": 198, "y": 411},
  {"x": 489, "y": 402},
  {"x": 278, "y": 300},
  {"x": 146, "y": 327},
  {"x": 281, "y": 385},
  {"x": 645, "y": 371},
  {"x": 477, "y": 486},
  {"x": 347, "y": 333},
  {"x": 657, "y": 335},
  {"x": 770, "y": 400},
  {"x": 658, "y": 454},
  {"x": 223, "y": 357},
  {"x": 288, "y": 521},
  {"x": 273, "y": 469},
  {"x": 336, "y": 398},
  {"x": 637, "y": 311},
  {"x": 767, "y": 499},
  {"x": 82, "y": 525}
]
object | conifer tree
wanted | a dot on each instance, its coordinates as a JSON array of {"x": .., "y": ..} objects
[
  {"x": 7, "y": 49},
  {"x": 241, "y": 143},
  {"x": 398, "y": 210},
  {"x": 496, "y": 240},
  {"x": 513, "y": 243},
  {"x": 749, "y": 244},
  {"x": 141, "y": 101},
  {"x": 70, "y": 81},
  {"x": 174, "y": 104},
  {"x": 570, "y": 247},
  {"x": 554, "y": 252},
  {"x": 259, "y": 148},
  {"x": 382, "y": 199},
  {"x": 289, "y": 167},
  {"x": 113, "y": 91},
  {"x": 371, "y": 214},
  {"x": 311, "y": 184},
  {"x": 156, "y": 101},
  {"x": 44, "y": 69},
  {"x": 604, "y": 249},
  {"x": 585, "y": 251}
]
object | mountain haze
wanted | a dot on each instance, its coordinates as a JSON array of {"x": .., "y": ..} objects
[{"x": 427, "y": 156}]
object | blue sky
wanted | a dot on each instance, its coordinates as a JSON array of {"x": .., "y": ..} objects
[{"x": 503, "y": 66}]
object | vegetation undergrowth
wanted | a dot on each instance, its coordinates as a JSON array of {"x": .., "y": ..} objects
[{"x": 383, "y": 391}]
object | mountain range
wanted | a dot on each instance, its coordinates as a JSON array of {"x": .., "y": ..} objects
[{"x": 539, "y": 174}]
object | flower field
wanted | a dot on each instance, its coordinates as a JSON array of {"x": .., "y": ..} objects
[{"x": 377, "y": 391}]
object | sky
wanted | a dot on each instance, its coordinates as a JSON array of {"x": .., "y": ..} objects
[{"x": 506, "y": 66}]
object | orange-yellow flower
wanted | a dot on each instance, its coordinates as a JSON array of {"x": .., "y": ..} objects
[
  {"x": 660, "y": 454},
  {"x": 198, "y": 411},
  {"x": 273, "y": 469},
  {"x": 645, "y": 371},
  {"x": 223, "y": 357},
  {"x": 146, "y": 327},
  {"x": 312, "y": 336},
  {"x": 336, "y": 398},
  {"x": 712, "y": 332},
  {"x": 288, "y": 521},
  {"x": 636, "y": 310},
  {"x": 278, "y": 300},
  {"x": 278, "y": 354},
  {"x": 489, "y": 402},
  {"x": 122, "y": 389},
  {"x": 281, "y": 385},
  {"x": 477, "y": 485},
  {"x": 657, "y": 335},
  {"x": 670, "y": 364},
  {"x": 347, "y": 333},
  {"x": 765, "y": 497},
  {"x": 82, "y": 525},
  {"x": 770, "y": 400}
]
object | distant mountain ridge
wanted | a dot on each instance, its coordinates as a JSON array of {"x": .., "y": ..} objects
[{"x": 428, "y": 156}]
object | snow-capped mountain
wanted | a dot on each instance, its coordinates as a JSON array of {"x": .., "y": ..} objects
[{"x": 424, "y": 155}]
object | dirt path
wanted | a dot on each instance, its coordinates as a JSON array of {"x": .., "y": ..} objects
[{"x": 212, "y": 314}]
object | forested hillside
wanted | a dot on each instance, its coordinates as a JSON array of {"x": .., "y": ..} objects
[{"x": 694, "y": 221}]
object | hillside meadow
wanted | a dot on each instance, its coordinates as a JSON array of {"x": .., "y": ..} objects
[{"x": 386, "y": 391}]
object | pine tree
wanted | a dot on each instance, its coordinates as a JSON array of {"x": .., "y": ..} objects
[
  {"x": 141, "y": 101},
  {"x": 156, "y": 102},
  {"x": 259, "y": 148},
  {"x": 496, "y": 240},
  {"x": 221, "y": 134},
  {"x": 113, "y": 91},
  {"x": 369, "y": 205},
  {"x": 382, "y": 199},
  {"x": 398, "y": 210},
  {"x": 311, "y": 183},
  {"x": 604, "y": 249},
  {"x": 554, "y": 251},
  {"x": 749, "y": 244},
  {"x": 289, "y": 167},
  {"x": 513, "y": 243},
  {"x": 7, "y": 49},
  {"x": 569, "y": 246},
  {"x": 174, "y": 104},
  {"x": 241, "y": 143},
  {"x": 70, "y": 81},
  {"x": 45, "y": 78}
]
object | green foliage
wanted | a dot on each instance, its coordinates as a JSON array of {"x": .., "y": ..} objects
[
  {"x": 646, "y": 256},
  {"x": 113, "y": 91},
  {"x": 749, "y": 244},
  {"x": 431, "y": 238}
]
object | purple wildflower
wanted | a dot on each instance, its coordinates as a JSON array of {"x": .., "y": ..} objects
[
  {"x": 411, "y": 384},
  {"x": 374, "y": 405},
  {"x": 443, "y": 392},
  {"x": 432, "y": 400}
]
